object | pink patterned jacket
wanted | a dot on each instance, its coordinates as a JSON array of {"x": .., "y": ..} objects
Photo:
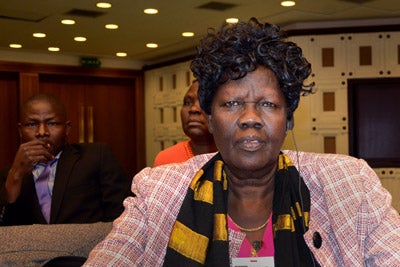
[{"x": 350, "y": 211}]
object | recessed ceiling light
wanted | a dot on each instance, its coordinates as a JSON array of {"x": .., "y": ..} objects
[
  {"x": 68, "y": 21},
  {"x": 121, "y": 54},
  {"x": 111, "y": 26},
  {"x": 232, "y": 20},
  {"x": 15, "y": 45},
  {"x": 187, "y": 34},
  {"x": 152, "y": 45},
  {"x": 39, "y": 35},
  {"x": 80, "y": 39},
  {"x": 53, "y": 49},
  {"x": 288, "y": 3},
  {"x": 150, "y": 11},
  {"x": 103, "y": 5}
]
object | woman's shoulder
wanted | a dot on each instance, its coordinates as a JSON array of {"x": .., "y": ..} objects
[
  {"x": 172, "y": 174},
  {"x": 322, "y": 159},
  {"x": 324, "y": 168}
]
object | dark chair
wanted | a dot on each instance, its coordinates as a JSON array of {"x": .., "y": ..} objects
[{"x": 65, "y": 261}]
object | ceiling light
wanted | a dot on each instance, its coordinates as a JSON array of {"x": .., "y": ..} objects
[
  {"x": 111, "y": 26},
  {"x": 15, "y": 45},
  {"x": 150, "y": 11},
  {"x": 68, "y": 21},
  {"x": 80, "y": 39},
  {"x": 288, "y": 3},
  {"x": 187, "y": 34},
  {"x": 232, "y": 20},
  {"x": 53, "y": 49},
  {"x": 152, "y": 45},
  {"x": 39, "y": 35},
  {"x": 121, "y": 54},
  {"x": 103, "y": 5}
]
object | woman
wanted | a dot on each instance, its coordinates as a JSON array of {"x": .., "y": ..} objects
[
  {"x": 194, "y": 125},
  {"x": 251, "y": 201}
]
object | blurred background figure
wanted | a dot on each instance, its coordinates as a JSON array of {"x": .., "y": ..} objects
[{"x": 194, "y": 124}]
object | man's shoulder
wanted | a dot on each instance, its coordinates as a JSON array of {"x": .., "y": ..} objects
[
  {"x": 86, "y": 147},
  {"x": 87, "y": 150}
]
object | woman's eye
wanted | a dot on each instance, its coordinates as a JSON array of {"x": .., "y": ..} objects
[
  {"x": 266, "y": 104},
  {"x": 187, "y": 103},
  {"x": 233, "y": 104}
]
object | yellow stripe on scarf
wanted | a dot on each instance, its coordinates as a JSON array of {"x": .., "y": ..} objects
[
  {"x": 220, "y": 232},
  {"x": 188, "y": 243},
  {"x": 284, "y": 162},
  {"x": 286, "y": 221}
]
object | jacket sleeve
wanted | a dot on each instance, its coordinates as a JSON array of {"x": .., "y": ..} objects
[{"x": 382, "y": 240}]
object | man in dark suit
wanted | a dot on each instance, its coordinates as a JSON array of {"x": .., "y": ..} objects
[{"x": 86, "y": 183}]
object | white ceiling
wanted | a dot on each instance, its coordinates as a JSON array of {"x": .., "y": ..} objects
[{"x": 20, "y": 18}]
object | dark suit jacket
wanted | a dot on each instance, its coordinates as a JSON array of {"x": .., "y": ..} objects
[{"x": 89, "y": 186}]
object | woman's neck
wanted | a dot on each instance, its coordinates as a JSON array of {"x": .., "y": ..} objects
[{"x": 202, "y": 147}]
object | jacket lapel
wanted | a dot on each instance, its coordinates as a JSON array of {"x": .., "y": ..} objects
[
  {"x": 36, "y": 211},
  {"x": 65, "y": 165}
]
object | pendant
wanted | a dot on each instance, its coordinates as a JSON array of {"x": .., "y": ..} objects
[{"x": 255, "y": 247}]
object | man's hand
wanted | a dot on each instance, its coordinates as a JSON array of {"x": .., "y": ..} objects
[{"x": 28, "y": 155}]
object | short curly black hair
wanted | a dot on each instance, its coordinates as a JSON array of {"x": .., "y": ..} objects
[{"x": 237, "y": 49}]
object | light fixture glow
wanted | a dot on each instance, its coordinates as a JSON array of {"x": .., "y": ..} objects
[
  {"x": 187, "y": 34},
  {"x": 39, "y": 35},
  {"x": 53, "y": 49},
  {"x": 68, "y": 21},
  {"x": 152, "y": 45},
  {"x": 150, "y": 11},
  {"x": 15, "y": 45},
  {"x": 121, "y": 54},
  {"x": 111, "y": 26},
  {"x": 80, "y": 39},
  {"x": 103, "y": 5},
  {"x": 288, "y": 3},
  {"x": 232, "y": 20}
]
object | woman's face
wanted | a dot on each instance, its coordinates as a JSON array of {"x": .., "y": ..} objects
[
  {"x": 248, "y": 121},
  {"x": 193, "y": 118}
]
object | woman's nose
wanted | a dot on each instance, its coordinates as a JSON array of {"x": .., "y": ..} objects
[
  {"x": 195, "y": 108},
  {"x": 250, "y": 117}
]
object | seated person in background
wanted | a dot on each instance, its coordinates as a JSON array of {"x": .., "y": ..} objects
[
  {"x": 51, "y": 181},
  {"x": 194, "y": 124},
  {"x": 252, "y": 201}
]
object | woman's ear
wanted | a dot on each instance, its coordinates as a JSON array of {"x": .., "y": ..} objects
[{"x": 210, "y": 125}]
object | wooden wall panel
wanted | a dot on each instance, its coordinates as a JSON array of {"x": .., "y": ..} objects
[
  {"x": 115, "y": 96},
  {"x": 9, "y": 138}
]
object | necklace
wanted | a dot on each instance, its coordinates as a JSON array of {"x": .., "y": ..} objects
[{"x": 250, "y": 229}]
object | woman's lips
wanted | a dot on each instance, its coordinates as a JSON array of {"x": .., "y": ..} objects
[
  {"x": 194, "y": 123},
  {"x": 250, "y": 144}
]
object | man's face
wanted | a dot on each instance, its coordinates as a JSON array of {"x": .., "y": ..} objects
[{"x": 42, "y": 120}]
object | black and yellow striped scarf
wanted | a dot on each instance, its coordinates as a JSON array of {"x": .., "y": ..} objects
[{"x": 200, "y": 234}]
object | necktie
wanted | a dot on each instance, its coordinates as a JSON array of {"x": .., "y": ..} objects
[{"x": 43, "y": 191}]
